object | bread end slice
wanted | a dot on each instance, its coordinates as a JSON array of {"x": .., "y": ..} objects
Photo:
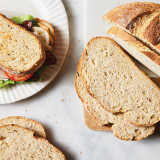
[{"x": 135, "y": 48}]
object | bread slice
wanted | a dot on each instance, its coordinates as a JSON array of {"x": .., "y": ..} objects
[
  {"x": 144, "y": 26},
  {"x": 126, "y": 131},
  {"x": 124, "y": 15},
  {"x": 25, "y": 123},
  {"x": 111, "y": 77},
  {"x": 20, "y": 143},
  {"x": 21, "y": 52},
  {"x": 135, "y": 48},
  {"x": 102, "y": 116}
]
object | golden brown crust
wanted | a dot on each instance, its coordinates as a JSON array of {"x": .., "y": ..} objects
[
  {"x": 125, "y": 14},
  {"x": 152, "y": 31},
  {"x": 36, "y": 65}
]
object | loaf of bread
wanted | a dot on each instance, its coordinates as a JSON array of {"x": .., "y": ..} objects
[
  {"x": 21, "y": 52},
  {"x": 135, "y": 48},
  {"x": 141, "y": 19},
  {"x": 111, "y": 77},
  {"x": 20, "y": 143},
  {"x": 30, "y": 124}
]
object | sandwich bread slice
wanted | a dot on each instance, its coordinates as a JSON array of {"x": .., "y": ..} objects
[
  {"x": 26, "y": 48},
  {"x": 21, "y": 52}
]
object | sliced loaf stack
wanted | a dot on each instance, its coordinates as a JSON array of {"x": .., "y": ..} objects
[
  {"x": 115, "y": 91},
  {"x": 23, "y": 138},
  {"x": 110, "y": 85}
]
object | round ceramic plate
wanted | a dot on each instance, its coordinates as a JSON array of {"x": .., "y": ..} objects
[{"x": 54, "y": 12}]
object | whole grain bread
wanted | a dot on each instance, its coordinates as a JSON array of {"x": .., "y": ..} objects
[
  {"x": 144, "y": 26},
  {"x": 135, "y": 48},
  {"x": 20, "y": 143},
  {"x": 25, "y": 123},
  {"x": 101, "y": 115},
  {"x": 21, "y": 52},
  {"x": 124, "y": 131},
  {"x": 111, "y": 77}
]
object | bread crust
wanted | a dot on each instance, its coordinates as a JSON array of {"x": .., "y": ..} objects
[
  {"x": 125, "y": 14},
  {"x": 152, "y": 31},
  {"x": 38, "y": 64}
]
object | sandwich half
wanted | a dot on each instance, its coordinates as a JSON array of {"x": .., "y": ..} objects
[{"x": 26, "y": 47}]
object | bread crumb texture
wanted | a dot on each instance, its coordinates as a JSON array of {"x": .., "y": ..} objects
[{"x": 117, "y": 84}]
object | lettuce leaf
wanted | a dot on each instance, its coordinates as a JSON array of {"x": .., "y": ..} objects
[
  {"x": 6, "y": 83},
  {"x": 21, "y": 19}
]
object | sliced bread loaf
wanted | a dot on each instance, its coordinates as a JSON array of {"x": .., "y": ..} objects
[
  {"x": 30, "y": 124},
  {"x": 124, "y": 131},
  {"x": 21, "y": 52},
  {"x": 101, "y": 115},
  {"x": 20, "y": 143},
  {"x": 128, "y": 132},
  {"x": 121, "y": 129},
  {"x": 111, "y": 77},
  {"x": 145, "y": 26},
  {"x": 135, "y": 48}
]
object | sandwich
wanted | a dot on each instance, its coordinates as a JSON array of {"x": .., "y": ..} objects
[{"x": 26, "y": 48}]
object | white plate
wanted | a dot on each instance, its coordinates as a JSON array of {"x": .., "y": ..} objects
[
  {"x": 98, "y": 27},
  {"x": 54, "y": 12}
]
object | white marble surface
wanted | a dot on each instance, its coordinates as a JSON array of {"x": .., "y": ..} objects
[{"x": 58, "y": 108}]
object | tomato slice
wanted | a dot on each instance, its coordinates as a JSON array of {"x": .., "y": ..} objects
[{"x": 18, "y": 78}]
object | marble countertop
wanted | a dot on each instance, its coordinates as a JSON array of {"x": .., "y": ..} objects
[{"x": 58, "y": 108}]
